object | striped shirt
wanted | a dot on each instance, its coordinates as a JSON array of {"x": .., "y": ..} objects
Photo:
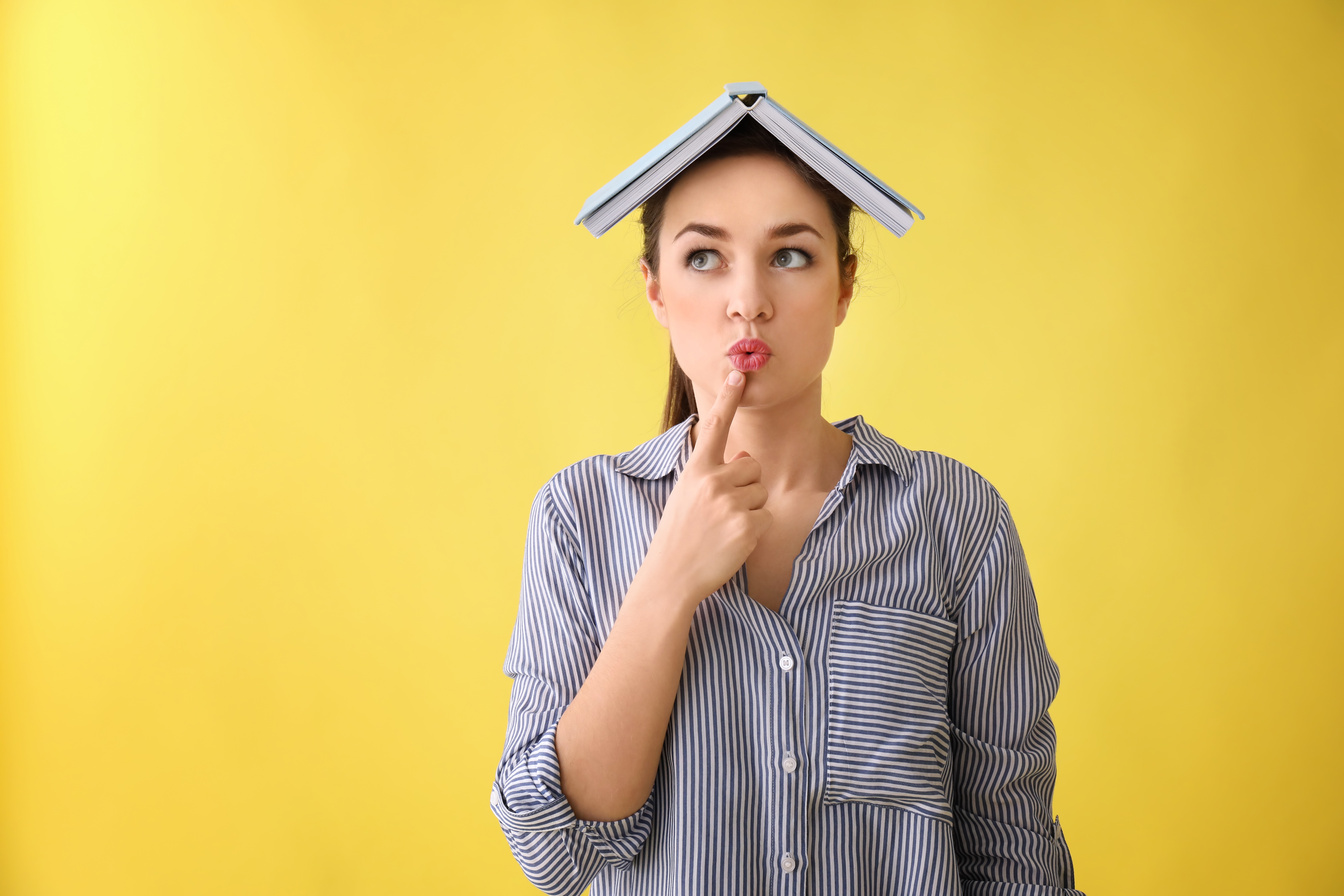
[{"x": 886, "y": 732}]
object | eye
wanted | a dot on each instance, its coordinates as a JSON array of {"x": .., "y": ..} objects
[
  {"x": 702, "y": 259},
  {"x": 792, "y": 258}
]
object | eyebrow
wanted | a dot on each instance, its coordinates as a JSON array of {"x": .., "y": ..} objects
[
  {"x": 719, "y": 233},
  {"x": 793, "y": 230}
]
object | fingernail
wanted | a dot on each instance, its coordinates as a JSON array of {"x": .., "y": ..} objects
[{"x": 735, "y": 377}]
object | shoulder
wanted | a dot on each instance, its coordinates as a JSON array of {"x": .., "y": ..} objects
[
  {"x": 616, "y": 483},
  {"x": 942, "y": 485},
  {"x": 953, "y": 505},
  {"x": 602, "y": 487},
  {"x": 956, "y": 487},
  {"x": 579, "y": 487},
  {"x": 963, "y": 509}
]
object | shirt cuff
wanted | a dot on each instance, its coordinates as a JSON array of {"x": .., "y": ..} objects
[
  {"x": 528, "y": 798},
  {"x": 1017, "y": 853},
  {"x": 996, "y": 888},
  {"x": 1065, "y": 864},
  {"x": 1062, "y": 852},
  {"x": 621, "y": 840}
]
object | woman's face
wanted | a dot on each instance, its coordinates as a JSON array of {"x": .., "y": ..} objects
[{"x": 748, "y": 250}]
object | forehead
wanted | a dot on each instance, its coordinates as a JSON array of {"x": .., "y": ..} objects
[{"x": 747, "y": 195}]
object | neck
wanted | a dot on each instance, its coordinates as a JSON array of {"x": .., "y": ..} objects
[{"x": 798, "y": 449}]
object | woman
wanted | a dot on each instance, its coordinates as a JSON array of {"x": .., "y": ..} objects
[{"x": 762, "y": 652}]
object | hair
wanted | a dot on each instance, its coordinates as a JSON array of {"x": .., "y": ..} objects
[{"x": 747, "y": 138}]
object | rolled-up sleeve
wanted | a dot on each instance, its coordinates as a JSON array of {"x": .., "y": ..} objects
[
  {"x": 554, "y": 644},
  {"x": 1003, "y": 744}
]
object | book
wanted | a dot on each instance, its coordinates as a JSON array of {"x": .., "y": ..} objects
[{"x": 629, "y": 189}]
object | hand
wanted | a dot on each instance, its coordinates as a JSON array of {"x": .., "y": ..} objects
[{"x": 716, "y": 513}]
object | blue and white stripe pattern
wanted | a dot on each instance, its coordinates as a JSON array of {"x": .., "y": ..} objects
[{"x": 886, "y": 732}]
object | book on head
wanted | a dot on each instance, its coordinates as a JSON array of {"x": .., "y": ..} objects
[{"x": 629, "y": 189}]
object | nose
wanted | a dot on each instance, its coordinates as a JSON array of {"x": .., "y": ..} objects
[{"x": 749, "y": 298}]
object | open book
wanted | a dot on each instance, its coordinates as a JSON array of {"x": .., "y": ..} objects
[{"x": 631, "y": 187}]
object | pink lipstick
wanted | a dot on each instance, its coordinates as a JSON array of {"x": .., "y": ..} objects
[{"x": 749, "y": 354}]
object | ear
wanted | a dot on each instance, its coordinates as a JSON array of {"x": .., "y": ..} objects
[
  {"x": 847, "y": 274},
  {"x": 653, "y": 292}
]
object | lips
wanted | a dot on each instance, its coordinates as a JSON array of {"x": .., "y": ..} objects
[{"x": 749, "y": 354}]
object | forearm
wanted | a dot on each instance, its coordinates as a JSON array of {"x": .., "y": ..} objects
[{"x": 610, "y": 737}]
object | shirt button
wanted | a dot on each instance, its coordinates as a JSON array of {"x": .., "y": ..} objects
[
  {"x": 786, "y": 662},
  {"x": 787, "y": 863},
  {"x": 790, "y": 764}
]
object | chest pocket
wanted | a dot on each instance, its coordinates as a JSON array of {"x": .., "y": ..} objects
[{"x": 887, "y": 731}]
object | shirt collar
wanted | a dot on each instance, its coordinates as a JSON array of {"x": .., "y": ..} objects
[{"x": 669, "y": 452}]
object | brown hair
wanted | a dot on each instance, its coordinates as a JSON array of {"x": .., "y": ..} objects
[{"x": 747, "y": 138}]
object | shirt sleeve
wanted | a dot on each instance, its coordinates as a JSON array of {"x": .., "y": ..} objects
[
  {"x": 554, "y": 644},
  {"x": 1003, "y": 742}
]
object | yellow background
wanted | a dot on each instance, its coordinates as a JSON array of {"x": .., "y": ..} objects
[{"x": 296, "y": 322}]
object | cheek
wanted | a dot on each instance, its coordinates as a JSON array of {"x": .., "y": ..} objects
[
  {"x": 695, "y": 330},
  {"x": 690, "y": 306},
  {"x": 692, "y": 337}
]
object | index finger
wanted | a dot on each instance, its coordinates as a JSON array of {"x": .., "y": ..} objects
[{"x": 712, "y": 440}]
